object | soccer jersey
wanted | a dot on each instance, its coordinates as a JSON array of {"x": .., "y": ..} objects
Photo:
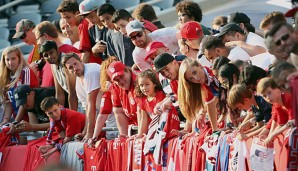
[
  {"x": 211, "y": 88},
  {"x": 27, "y": 77},
  {"x": 148, "y": 106},
  {"x": 95, "y": 158},
  {"x": 85, "y": 43},
  {"x": 288, "y": 104},
  {"x": 126, "y": 100},
  {"x": 106, "y": 105},
  {"x": 118, "y": 157},
  {"x": 72, "y": 122}
]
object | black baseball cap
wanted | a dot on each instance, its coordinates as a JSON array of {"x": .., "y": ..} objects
[
  {"x": 20, "y": 94},
  {"x": 162, "y": 60},
  {"x": 238, "y": 17},
  {"x": 230, "y": 27}
]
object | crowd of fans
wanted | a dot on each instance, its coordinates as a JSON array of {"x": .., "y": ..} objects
[{"x": 99, "y": 67}]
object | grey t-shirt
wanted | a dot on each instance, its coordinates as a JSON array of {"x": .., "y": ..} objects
[
  {"x": 120, "y": 46},
  {"x": 69, "y": 156}
]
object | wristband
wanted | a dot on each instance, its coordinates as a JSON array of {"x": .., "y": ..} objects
[{"x": 173, "y": 99}]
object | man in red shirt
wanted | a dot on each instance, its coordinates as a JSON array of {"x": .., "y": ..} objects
[
  {"x": 69, "y": 11},
  {"x": 123, "y": 96}
]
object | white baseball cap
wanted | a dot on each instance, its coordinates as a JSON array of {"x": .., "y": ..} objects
[{"x": 133, "y": 26}]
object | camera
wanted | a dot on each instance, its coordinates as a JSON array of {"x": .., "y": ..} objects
[{"x": 40, "y": 64}]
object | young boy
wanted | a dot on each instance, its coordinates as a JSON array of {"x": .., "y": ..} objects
[
  {"x": 69, "y": 11},
  {"x": 66, "y": 122},
  {"x": 258, "y": 109},
  {"x": 280, "y": 114}
]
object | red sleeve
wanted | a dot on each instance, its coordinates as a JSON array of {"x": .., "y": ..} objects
[
  {"x": 47, "y": 76},
  {"x": 106, "y": 103},
  {"x": 207, "y": 94},
  {"x": 115, "y": 96},
  {"x": 85, "y": 44},
  {"x": 75, "y": 122},
  {"x": 140, "y": 102},
  {"x": 288, "y": 103}
]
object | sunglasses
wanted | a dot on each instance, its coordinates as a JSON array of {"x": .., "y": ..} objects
[
  {"x": 140, "y": 34},
  {"x": 283, "y": 38},
  {"x": 23, "y": 36}
]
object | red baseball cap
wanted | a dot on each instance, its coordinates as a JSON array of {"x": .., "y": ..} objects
[
  {"x": 116, "y": 68},
  {"x": 291, "y": 12},
  {"x": 149, "y": 26},
  {"x": 152, "y": 48},
  {"x": 190, "y": 30}
]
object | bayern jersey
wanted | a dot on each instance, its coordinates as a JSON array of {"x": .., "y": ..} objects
[{"x": 27, "y": 77}]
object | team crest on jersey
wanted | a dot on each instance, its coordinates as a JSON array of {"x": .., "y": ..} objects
[
  {"x": 112, "y": 70},
  {"x": 132, "y": 101}
]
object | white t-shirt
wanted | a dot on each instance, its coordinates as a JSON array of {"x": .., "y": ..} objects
[
  {"x": 165, "y": 35},
  {"x": 203, "y": 61},
  {"x": 238, "y": 53},
  {"x": 254, "y": 39},
  {"x": 88, "y": 83},
  {"x": 263, "y": 60}
]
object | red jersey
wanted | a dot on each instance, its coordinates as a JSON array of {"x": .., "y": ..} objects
[
  {"x": 210, "y": 89},
  {"x": 288, "y": 104},
  {"x": 95, "y": 158},
  {"x": 66, "y": 48},
  {"x": 72, "y": 122},
  {"x": 85, "y": 43},
  {"x": 148, "y": 106},
  {"x": 27, "y": 77},
  {"x": 46, "y": 76},
  {"x": 106, "y": 105},
  {"x": 174, "y": 86},
  {"x": 126, "y": 100},
  {"x": 118, "y": 157}
]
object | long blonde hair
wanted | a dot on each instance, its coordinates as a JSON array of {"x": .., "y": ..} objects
[
  {"x": 189, "y": 94},
  {"x": 104, "y": 77},
  {"x": 5, "y": 82}
]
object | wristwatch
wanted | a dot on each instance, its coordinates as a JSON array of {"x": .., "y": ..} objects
[{"x": 173, "y": 99}]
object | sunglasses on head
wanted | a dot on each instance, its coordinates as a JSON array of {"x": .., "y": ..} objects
[
  {"x": 139, "y": 34},
  {"x": 283, "y": 38}
]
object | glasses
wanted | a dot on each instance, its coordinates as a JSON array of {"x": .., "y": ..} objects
[
  {"x": 39, "y": 37},
  {"x": 283, "y": 38},
  {"x": 140, "y": 34}
]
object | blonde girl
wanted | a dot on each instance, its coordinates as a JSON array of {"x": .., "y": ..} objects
[
  {"x": 14, "y": 72},
  {"x": 197, "y": 86}
]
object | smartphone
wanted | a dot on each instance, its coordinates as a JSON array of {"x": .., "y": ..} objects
[{"x": 101, "y": 42}]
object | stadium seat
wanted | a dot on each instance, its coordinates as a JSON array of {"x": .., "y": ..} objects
[
  {"x": 26, "y": 49},
  {"x": 53, "y": 17},
  {"x": 4, "y": 33},
  {"x": 13, "y": 20},
  {"x": 4, "y": 44},
  {"x": 122, "y": 4},
  {"x": 3, "y": 22},
  {"x": 28, "y": 8},
  {"x": 164, "y": 4},
  {"x": 49, "y": 7}
]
